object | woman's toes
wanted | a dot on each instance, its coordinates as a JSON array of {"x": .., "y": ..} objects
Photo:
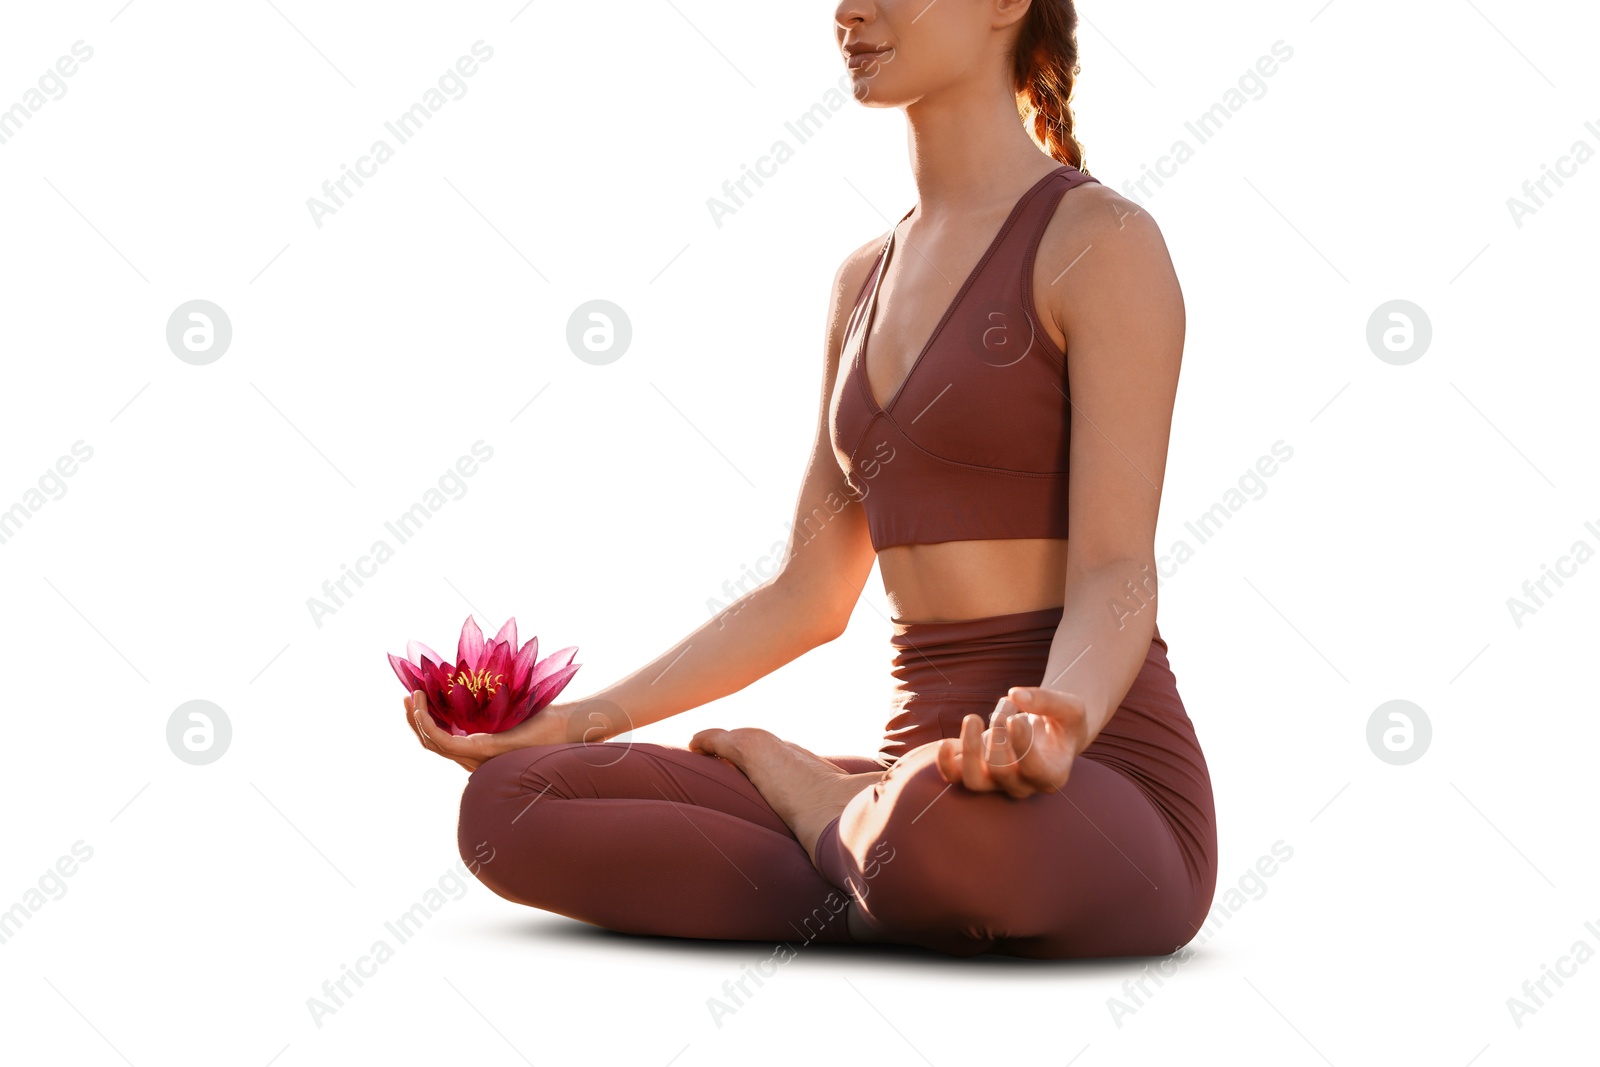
[
  {"x": 707, "y": 741},
  {"x": 733, "y": 745},
  {"x": 746, "y": 736},
  {"x": 728, "y": 744}
]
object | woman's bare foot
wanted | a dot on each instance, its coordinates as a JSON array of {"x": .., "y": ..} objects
[{"x": 804, "y": 789}]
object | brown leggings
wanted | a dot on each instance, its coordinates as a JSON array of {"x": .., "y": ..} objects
[{"x": 655, "y": 839}]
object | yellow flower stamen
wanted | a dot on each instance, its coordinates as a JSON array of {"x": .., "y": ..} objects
[{"x": 479, "y": 682}]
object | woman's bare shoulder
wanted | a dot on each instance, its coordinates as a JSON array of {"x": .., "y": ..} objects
[
  {"x": 851, "y": 279},
  {"x": 1100, "y": 251},
  {"x": 1094, "y": 211},
  {"x": 849, "y": 284}
]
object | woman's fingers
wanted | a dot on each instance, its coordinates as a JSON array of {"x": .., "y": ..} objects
[
  {"x": 423, "y": 722},
  {"x": 1034, "y": 735},
  {"x": 469, "y": 752},
  {"x": 467, "y": 756},
  {"x": 1039, "y": 764},
  {"x": 414, "y": 702},
  {"x": 986, "y": 761},
  {"x": 999, "y": 762},
  {"x": 974, "y": 770},
  {"x": 1009, "y": 742},
  {"x": 1061, "y": 732}
]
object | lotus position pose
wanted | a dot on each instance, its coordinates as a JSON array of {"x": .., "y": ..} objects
[{"x": 992, "y": 428}]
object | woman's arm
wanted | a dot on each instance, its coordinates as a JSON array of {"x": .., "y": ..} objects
[
  {"x": 1121, "y": 310},
  {"x": 806, "y": 603}
]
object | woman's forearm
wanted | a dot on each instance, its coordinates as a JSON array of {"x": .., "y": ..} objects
[
  {"x": 1103, "y": 637},
  {"x": 752, "y": 637}
]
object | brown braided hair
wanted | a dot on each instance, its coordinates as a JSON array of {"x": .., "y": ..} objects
[{"x": 1045, "y": 62}]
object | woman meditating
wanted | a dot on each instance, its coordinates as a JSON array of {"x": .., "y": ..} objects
[{"x": 992, "y": 429}]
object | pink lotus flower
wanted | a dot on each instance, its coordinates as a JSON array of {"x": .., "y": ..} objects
[{"x": 492, "y": 687}]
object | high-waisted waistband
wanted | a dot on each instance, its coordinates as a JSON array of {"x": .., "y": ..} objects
[
  {"x": 943, "y": 670},
  {"x": 983, "y": 650},
  {"x": 966, "y": 655}
]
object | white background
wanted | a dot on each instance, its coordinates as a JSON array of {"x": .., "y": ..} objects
[{"x": 430, "y": 311}]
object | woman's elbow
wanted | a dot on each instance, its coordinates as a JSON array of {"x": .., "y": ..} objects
[{"x": 821, "y": 610}]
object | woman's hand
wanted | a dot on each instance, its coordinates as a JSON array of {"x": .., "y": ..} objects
[
  {"x": 1034, "y": 735},
  {"x": 547, "y": 726}
]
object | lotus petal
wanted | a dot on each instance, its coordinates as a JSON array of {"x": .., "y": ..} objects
[
  {"x": 508, "y": 632},
  {"x": 522, "y": 667},
  {"x": 552, "y": 663},
  {"x": 406, "y": 673},
  {"x": 497, "y": 661},
  {"x": 493, "y": 718},
  {"x": 462, "y": 703},
  {"x": 416, "y": 651},
  {"x": 549, "y": 666},
  {"x": 470, "y": 648},
  {"x": 435, "y": 680},
  {"x": 547, "y": 690}
]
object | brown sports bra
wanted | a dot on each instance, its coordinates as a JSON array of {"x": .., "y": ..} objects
[{"x": 973, "y": 443}]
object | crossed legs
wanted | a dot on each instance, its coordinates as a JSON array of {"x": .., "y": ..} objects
[
  {"x": 647, "y": 839},
  {"x": 654, "y": 839}
]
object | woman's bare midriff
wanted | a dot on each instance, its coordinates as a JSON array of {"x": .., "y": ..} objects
[{"x": 954, "y": 580}]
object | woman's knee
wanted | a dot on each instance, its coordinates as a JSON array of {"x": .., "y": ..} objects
[
  {"x": 498, "y": 794},
  {"x": 911, "y": 849}
]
